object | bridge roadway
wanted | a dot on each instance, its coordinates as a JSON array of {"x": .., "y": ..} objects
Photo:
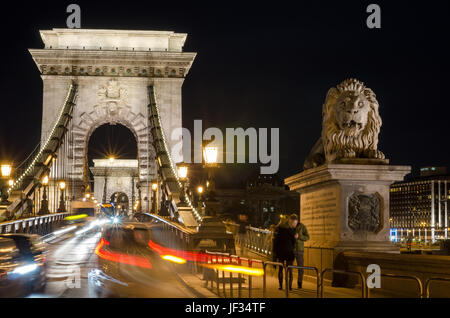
[{"x": 79, "y": 250}]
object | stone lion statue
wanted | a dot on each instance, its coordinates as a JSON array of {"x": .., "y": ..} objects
[{"x": 350, "y": 127}]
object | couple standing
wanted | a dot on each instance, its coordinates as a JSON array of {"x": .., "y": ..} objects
[{"x": 288, "y": 244}]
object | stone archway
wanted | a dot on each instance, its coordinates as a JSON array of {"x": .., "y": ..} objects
[
  {"x": 121, "y": 201},
  {"x": 113, "y": 70},
  {"x": 112, "y": 108}
]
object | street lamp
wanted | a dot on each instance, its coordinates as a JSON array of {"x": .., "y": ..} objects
[
  {"x": 44, "y": 202},
  {"x": 154, "y": 189},
  {"x": 5, "y": 183},
  {"x": 6, "y": 170},
  {"x": 182, "y": 175},
  {"x": 210, "y": 154},
  {"x": 62, "y": 205}
]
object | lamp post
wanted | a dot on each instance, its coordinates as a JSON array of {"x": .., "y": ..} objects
[
  {"x": 182, "y": 175},
  {"x": 200, "y": 192},
  {"x": 6, "y": 182},
  {"x": 44, "y": 202},
  {"x": 62, "y": 205},
  {"x": 210, "y": 155},
  {"x": 154, "y": 193}
]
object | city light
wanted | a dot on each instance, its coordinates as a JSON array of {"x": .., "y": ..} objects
[
  {"x": 200, "y": 189},
  {"x": 45, "y": 180},
  {"x": 111, "y": 159},
  {"x": 210, "y": 154},
  {"x": 182, "y": 172},
  {"x": 154, "y": 186},
  {"x": 6, "y": 170},
  {"x": 10, "y": 182},
  {"x": 62, "y": 185}
]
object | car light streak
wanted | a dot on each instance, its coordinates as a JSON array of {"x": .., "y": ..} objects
[
  {"x": 236, "y": 269},
  {"x": 75, "y": 217},
  {"x": 173, "y": 259},
  {"x": 121, "y": 258},
  {"x": 91, "y": 226},
  {"x": 190, "y": 256},
  {"x": 25, "y": 269}
]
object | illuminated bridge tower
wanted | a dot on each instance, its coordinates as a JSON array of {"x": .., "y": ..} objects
[{"x": 113, "y": 70}]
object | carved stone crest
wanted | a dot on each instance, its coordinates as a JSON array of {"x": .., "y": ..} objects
[
  {"x": 364, "y": 212},
  {"x": 111, "y": 98}
]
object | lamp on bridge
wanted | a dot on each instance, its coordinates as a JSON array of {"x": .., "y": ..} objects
[
  {"x": 210, "y": 154},
  {"x": 6, "y": 170},
  {"x": 62, "y": 204},
  {"x": 154, "y": 194},
  {"x": 200, "y": 192},
  {"x": 44, "y": 202},
  {"x": 182, "y": 175}
]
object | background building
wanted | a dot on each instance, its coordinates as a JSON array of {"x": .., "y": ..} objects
[
  {"x": 419, "y": 208},
  {"x": 263, "y": 198}
]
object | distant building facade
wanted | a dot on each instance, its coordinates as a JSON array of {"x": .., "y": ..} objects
[
  {"x": 264, "y": 199},
  {"x": 419, "y": 208}
]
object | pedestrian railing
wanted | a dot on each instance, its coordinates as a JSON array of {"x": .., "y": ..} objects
[
  {"x": 434, "y": 279},
  {"x": 220, "y": 278},
  {"x": 36, "y": 225},
  {"x": 396, "y": 276},
  {"x": 338, "y": 271},
  {"x": 257, "y": 240},
  {"x": 291, "y": 267}
]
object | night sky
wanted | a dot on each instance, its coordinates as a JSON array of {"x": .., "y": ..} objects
[{"x": 264, "y": 64}]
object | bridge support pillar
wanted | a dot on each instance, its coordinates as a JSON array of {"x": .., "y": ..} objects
[{"x": 345, "y": 207}]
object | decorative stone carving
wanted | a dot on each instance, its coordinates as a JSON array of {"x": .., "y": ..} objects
[
  {"x": 111, "y": 98},
  {"x": 350, "y": 127},
  {"x": 364, "y": 212}
]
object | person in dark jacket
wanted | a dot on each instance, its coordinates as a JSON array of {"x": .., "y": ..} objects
[
  {"x": 284, "y": 245},
  {"x": 242, "y": 233},
  {"x": 301, "y": 238}
]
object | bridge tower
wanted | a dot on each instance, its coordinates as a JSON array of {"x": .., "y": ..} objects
[{"x": 113, "y": 70}]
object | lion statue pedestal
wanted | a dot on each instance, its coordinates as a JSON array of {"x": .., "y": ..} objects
[{"x": 344, "y": 188}]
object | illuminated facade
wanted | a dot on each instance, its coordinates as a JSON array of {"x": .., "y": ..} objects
[{"x": 419, "y": 208}]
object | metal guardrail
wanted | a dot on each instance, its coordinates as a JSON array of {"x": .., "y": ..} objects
[
  {"x": 338, "y": 271},
  {"x": 308, "y": 268},
  {"x": 411, "y": 277},
  {"x": 225, "y": 258},
  {"x": 433, "y": 279},
  {"x": 257, "y": 240},
  {"x": 39, "y": 224}
]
